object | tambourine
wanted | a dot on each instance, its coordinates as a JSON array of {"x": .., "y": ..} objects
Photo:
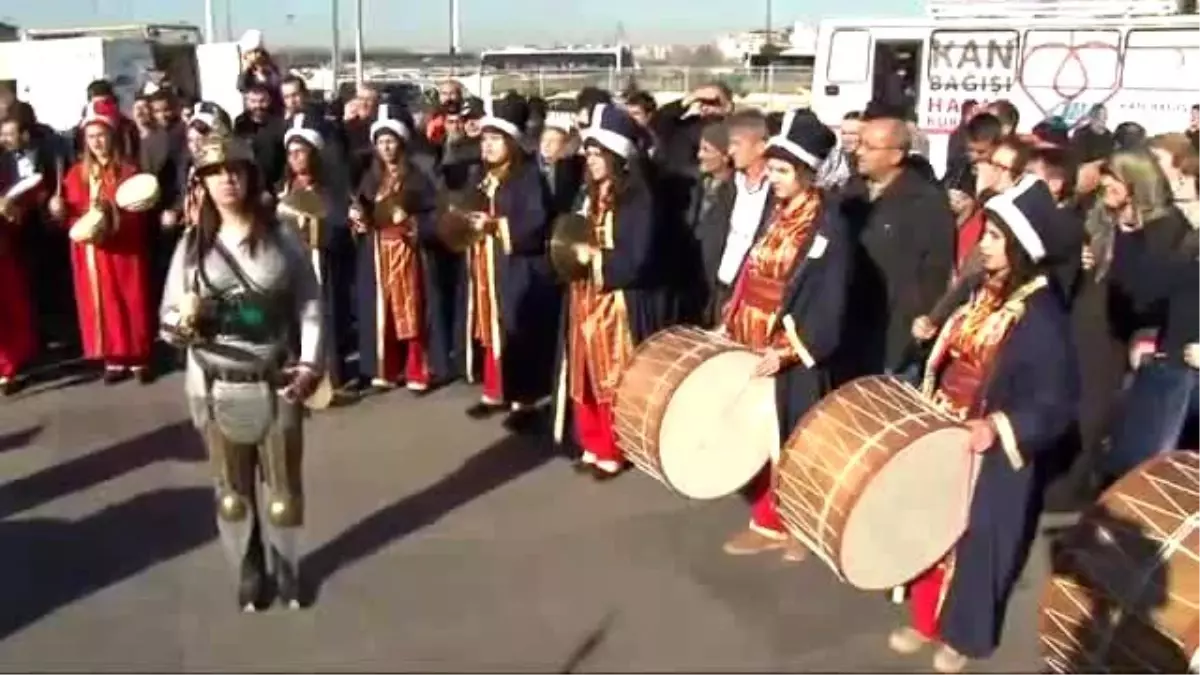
[
  {"x": 22, "y": 186},
  {"x": 137, "y": 193},
  {"x": 90, "y": 226}
]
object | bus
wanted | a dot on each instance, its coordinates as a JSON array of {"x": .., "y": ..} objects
[{"x": 618, "y": 59}]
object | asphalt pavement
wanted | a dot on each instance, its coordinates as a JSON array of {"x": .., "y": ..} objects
[{"x": 436, "y": 543}]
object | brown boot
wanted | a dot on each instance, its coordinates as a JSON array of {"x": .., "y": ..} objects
[{"x": 752, "y": 542}]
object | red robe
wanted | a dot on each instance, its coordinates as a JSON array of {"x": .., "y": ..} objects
[
  {"x": 18, "y": 335},
  {"x": 111, "y": 276}
]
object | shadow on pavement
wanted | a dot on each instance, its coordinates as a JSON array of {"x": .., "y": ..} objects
[
  {"x": 1109, "y": 590},
  {"x": 19, "y": 439},
  {"x": 177, "y": 441},
  {"x": 491, "y": 468},
  {"x": 49, "y": 563}
]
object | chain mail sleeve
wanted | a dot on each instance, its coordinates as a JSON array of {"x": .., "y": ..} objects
[
  {"x": 175, "y": 287},
  {"x": 306, "y": 293}
]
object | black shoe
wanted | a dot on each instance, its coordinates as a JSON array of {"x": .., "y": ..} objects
[
  {"x": 287, "y": 584},
  {"x": 144, "y": 375},
  {"x": 523, "y": 421},
  {"x": 481, "y": 410},
  {"x": 114, "y": 376},
  {"x": 251, "y": 585},
  {"x": 10, "y": 387}
]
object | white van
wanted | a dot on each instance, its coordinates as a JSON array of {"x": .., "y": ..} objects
[{"x": 1143, "y": 69}]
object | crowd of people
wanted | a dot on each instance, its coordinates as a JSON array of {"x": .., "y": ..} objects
[{"x": 1043, "y": 290}]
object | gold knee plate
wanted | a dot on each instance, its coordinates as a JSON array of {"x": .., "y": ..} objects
[{"x": 232, "y": 508}]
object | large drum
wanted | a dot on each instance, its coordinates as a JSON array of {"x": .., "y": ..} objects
[
  {"x": 1124, "y": 596},
  {"x": 689, "y": 412},
  {"x": 877, "y": 481}
]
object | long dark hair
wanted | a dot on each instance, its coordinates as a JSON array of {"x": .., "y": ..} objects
[
  {"x": 205, "y": 231},
  {"x": 316, "y": 167},
  {"x": 1021, "y": 268},
  {"x": 627, "y": 174}
]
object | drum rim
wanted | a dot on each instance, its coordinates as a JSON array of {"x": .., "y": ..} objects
[
  {"x": 637, "y": 351},
  {"x": 833, "y": 546}
]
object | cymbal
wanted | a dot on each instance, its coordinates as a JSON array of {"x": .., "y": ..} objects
[
  {"x": 302, "y": 203},
  {"x": 569, "y": 231},
  {"x": 454, "y": 227}
]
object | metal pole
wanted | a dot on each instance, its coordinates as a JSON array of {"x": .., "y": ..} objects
[
  {"x": 358, "y": 41},
  {"x": 210, "y": 22},
  {"x": 455, "y": 28},
  {"x": 335, "y": 60},
  {"x": 770, "y": 41}
]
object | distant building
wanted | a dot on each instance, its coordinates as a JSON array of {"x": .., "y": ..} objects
[
  {"x": 800, "y": 39},
  {"x": 8, "y": 32},
  {"x": 735, "y": 46},
  {"x": 646, "y": 53}
]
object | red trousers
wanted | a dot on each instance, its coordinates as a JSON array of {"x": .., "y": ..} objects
[
  {"x": 924, "y": 598},
  {"x": 411, "y": 355},
  {"x": 763, "y": 514},
  {"x": 18, "y": 336},
  {"x": 493, "y": 381},
  {"x": 594, "y": 427}
]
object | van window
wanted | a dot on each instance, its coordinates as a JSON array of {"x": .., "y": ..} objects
[
  {"x": 1162, "y": 59},
  {"x": 847, "y": 61},
  {"x": 1071, "y": 62}
]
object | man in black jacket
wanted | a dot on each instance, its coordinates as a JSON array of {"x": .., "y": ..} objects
[
  {"x": 905, "y": 234},
  {"x": 264, "y": 130}
]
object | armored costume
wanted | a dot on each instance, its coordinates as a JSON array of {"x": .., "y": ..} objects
[{"x": 241, "y": 307}]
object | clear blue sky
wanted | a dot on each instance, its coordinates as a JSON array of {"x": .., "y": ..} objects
[{"x": 423, "y": 24}]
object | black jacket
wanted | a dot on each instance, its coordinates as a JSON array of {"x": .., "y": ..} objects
[{"x": 904, "y": 254}]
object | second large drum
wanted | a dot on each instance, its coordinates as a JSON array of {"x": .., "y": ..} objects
[
  {"x": 877, "y": 481},
  {"x": 689, "y": 412}
]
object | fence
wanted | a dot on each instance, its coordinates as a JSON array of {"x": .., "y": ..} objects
[{"x": 745, "y": 82}]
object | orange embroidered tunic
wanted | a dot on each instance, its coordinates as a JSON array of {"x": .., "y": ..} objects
[
  {"x": 966, "y": 350},
  {"x": 398, "y": 265},
  {"x": 752, "y": 319},
  {"x": 481, "y": 268},
  {"x": 600, "y": 339}
]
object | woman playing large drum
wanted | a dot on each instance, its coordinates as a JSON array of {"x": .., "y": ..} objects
[
  {"x": 606, "y": 313},
  {"x": 788, "y": 302},
  {"x": 1004, "y": 363}
]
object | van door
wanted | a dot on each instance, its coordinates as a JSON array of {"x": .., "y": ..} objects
[{"x": 841, "y": 84}]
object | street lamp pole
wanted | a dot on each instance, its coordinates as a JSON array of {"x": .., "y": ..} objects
[
  {"x": 335, "y": 58},
  {"x": 455, "y": 28},
  {"x": 358, "y": 41},
  {"x": 210, "y": 22}
]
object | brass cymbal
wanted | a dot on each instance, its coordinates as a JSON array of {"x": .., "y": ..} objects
[
  {"x": 454, "y": 227},
  {"x": 304, "y": 203},
  {"x": 569, "y": 231},
  {"x": 381, "y": 215}
]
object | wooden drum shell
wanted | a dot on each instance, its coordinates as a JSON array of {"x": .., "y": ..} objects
[
  {"x": 876, "y": 534},
  {"x": 1124, "y": 595},
  {"x": 688, "y": 412}
]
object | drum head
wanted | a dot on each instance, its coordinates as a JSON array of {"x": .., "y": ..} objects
[
  {"x": 137, "y": 193},
  {"x": 720, "y": 428},
  {"x": 911, "y": 514},
  {"x": 24, "y": 185},
  {"x": 87, "y": 227}
]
